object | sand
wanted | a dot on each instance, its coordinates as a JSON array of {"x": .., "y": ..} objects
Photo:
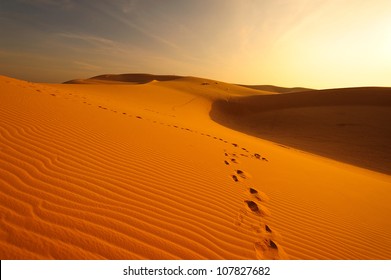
[
  {"x": 157, "y": 168},
  {"x": 351, "y": 125}
]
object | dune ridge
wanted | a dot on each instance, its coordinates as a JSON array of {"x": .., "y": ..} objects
[
  {"x": 136, "y": 78},
  {"x": 277, "y": 89},
  {"x": 184, "y": 83},
  {"x": 140, "y": 171}
]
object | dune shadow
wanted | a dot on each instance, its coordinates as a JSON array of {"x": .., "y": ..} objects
[{"x": 349, "y": 125}]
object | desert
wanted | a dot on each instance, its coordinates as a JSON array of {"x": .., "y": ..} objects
[{"x": 142, "y": 166}]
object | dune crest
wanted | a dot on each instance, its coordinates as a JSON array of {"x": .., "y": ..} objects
[
  {"x": 140, "y": 171},
  {"x": 277, "y": 89},
  {"x": 124, "y": 78}
]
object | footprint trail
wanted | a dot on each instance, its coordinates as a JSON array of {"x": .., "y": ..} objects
[{"x": 254, "y": 214}]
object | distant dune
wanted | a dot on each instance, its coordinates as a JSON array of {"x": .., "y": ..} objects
[
  {"x": 133, "y": 167},
  {"x": 277, "y": 89},
  {"x": 138, "y": 78}
]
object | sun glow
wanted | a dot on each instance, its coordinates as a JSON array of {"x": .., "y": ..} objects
[{"x": 318, "y": 44}]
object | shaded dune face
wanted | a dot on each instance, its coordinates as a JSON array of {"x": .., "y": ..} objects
[{"x": 350, "y": 125}]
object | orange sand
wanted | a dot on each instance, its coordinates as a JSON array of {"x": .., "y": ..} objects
[{"x": 113, "y": 170}]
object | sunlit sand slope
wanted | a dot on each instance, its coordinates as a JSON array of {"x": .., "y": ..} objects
[
  {"x": 140, "y": 171},
  {"x": 81, "y": 178}
]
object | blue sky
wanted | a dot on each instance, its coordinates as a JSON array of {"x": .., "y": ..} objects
[{"x": 311, "y": 43}]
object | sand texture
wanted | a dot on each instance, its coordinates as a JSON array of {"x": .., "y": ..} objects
[{"x": 168, "y": 167}]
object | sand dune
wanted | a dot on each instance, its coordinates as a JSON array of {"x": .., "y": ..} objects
[
  {"x": 350, "y": 125},
  {"x": 138, "y": 170},
  {"x": 138, "y": 78},
  {"x": 208, "y": 88},
  {"x": 277, "y": 89}
]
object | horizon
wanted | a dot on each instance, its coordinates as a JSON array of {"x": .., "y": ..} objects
[{"x": 312, "y": 44}]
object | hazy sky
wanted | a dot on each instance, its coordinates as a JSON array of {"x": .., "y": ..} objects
[{"x": 311, "y": 43}]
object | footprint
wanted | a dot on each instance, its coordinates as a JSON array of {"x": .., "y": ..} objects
[
  {"x": 252, "y": 205},
  {"x": 226, "y": 162},
  {"x": 268, "y": 249},
  {"x": 261, "y": 196},
  {"x": 264, "y": 230},
  {"x": 257, "y": 209},
  {"x": 258, "y": 156},
  {"x": 273, "y": 245},
  {"x": 242, "y": 174},
  {"x": 253, "y": 191},
  {"x": 235, "y": 178},
  {"x": 139, "y": 117},
  {"x": 234, "y": 144}
]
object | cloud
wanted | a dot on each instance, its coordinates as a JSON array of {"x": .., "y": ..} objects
[
  {"x": 87, "y": 66},
  {"x": 120, "y": 11},
  {"x": 101, "y": 48},
  {"x": 93, "y": 40}
]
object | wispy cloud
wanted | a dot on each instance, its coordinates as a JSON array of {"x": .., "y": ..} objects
[
  {"x": 112, "y": 54},
  {"x": 87, "y": 66},
  {"x": 91, "y": 39},
  {"x": 121, "y": 14}
]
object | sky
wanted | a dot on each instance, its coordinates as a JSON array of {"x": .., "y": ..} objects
[{"x": 309, "y": 43}]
